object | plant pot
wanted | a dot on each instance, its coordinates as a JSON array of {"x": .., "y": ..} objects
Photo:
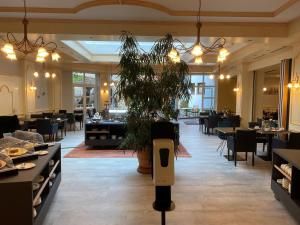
[{"x": 145, "y": 166}]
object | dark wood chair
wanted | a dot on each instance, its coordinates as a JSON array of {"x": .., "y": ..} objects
[
  {"x": 211, "y": 123},
  {"x": 260, "y": 138},
  {"x": 243, "y": 141},
  {"x": 71, "y": 120},
  {"x": 47, "y": 127},
  {"x": 201, "y": 120},
  {"x": 62, "y": 111},
  {"x": 79, "y": 117}
]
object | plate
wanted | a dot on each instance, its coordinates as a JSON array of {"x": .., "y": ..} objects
[
  {"x": 2, "y": 164},
  {"x": 35, "y": 186},
  {"x": 29, "y": 145},
  {"x": 25, "y": 166},
  {"x": 13, "y": 152},
  {"x": 39, "y": 179},
  {"x": 41, "y": 152}
]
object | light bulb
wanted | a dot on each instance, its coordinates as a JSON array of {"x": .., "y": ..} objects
[
  {"x": 53, "y": 75},
  {"x": 42, "y": 52},
  {"x": 47, "y": 75},
  {"x": 8, "y": 48},
  {"x": 223, "y": 52},
  {"x": 40, "y": 59},
  {"x": 265, "y": 89},
  {"x": 11, "y": 56},
  {"x": 173, "y": 53},
  {"x": 228, "y": 77},
  {"x": 36, "y": 74},
  {"x": 176, "y": 59},
  {"x": 290, "y": 85},
  {"x": 221, "y": 58},
  {"x": 197, "y": 50},
  {"x": 222, "y": 77},
  {"x": 55, "y": 56},
  {"x": 198, "y": 60},
  {"x": 211, "y": 77}
]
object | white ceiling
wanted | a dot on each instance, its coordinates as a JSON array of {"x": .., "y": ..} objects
[{"x": 126, "y": 12}]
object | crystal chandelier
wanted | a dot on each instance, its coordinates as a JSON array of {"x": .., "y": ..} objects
[
  {"x": 25, "y": 46},
  {"x": 198, "y": 50}
]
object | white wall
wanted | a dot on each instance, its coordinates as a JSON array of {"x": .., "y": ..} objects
[{"x": 16, "y": 95}]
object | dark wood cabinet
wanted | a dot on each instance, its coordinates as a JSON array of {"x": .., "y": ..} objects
[
  {"x": 289, "y": 196},
  {"x": 18, "y": 196},
  {"x": 104, "y": 134}
]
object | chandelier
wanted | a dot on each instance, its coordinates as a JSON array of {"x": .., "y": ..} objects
[
  {"x": 198, "y": 50},
  {"x": 41, "y": 48}
]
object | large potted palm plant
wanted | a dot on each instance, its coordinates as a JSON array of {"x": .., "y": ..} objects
[{"x": 150, "y": 83}]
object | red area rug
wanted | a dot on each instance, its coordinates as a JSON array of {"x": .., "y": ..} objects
[{"x": 83, "y": 151}]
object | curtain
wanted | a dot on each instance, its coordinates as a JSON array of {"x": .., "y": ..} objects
[{"x": 284, "y": 98}]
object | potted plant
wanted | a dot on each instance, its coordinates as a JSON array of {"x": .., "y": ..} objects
[{"x": 150, "y": 83}]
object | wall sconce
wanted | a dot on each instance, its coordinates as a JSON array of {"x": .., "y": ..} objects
[
  {"x": 104, "y": 91},
  {"x": 222, "y": 77},
  {"x": 295, "y": 82},
  {"x": 228, "y": 77},
  {"x": 236, "y": 89},
  {"x": 47, "y": 75},
  {"x": 105, "y": 84},
  {"x": 53, "y": 75},
  {"x": 33, "y": 88},
  {"x": 264, "y": 89},
  {"x": 36, "y": 74}
]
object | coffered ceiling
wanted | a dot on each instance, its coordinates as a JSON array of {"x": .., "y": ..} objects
[{"x": 156, "y": 10}]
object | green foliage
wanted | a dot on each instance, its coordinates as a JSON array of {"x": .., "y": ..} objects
[{"x": 149, "y": 83}]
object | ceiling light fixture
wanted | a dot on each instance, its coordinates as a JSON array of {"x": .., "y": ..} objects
[
  {"x": 199, "y": 49},
  {"x": 25, "y": 46}
]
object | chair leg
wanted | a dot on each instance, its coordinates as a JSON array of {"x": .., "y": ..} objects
[
  {"x": 222, "y": 149},
  {"x": 235, "y": 155},
  {"x": 253, "y": 159},
  {"x": 246, "y": 156}
]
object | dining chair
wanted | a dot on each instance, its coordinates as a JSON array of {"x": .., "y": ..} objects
[
  {"x": 62, "y": 111},
  {"x": 242, "y": 141},
  {"x": 71, "y": 120},
  {"x": 201, "y": 120},
  {"x": 211, "y": 123},
  {"x": 222, "y": 123},
  {"x": 260, "y": 138},
  {"x": 47, "y": 127}
]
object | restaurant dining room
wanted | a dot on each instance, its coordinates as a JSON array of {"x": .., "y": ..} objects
[{"x": 150, "y": 112}]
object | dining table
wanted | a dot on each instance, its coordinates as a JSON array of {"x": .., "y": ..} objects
[
  {"x": 62, "y": 122},
  {"x": 270, "y": 134}
]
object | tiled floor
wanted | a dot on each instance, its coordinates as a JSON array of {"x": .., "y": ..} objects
[{"x": 208, "y": 190}]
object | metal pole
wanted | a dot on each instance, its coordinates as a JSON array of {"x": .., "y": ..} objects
[{"x": 163, "y": 218}]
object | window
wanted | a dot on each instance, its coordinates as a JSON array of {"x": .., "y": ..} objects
[
  {"x": 85, "y": 86},
  {"x": 202, "y": 93},
  {"x": 116, "y": 103}
]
